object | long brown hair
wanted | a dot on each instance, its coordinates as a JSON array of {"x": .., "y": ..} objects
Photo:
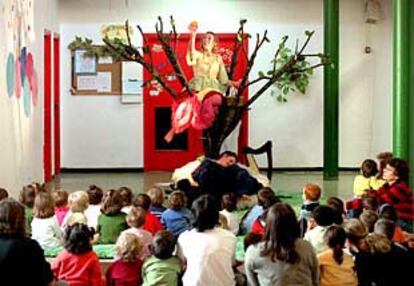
[
  {"x": 282, "y": 230},
  {"x": 12, "y": 220}
]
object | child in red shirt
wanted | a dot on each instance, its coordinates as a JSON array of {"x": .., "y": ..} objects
[
  {"x": 78, "y": 265},
  {"x": 152, "y": 223},
  {"x": 126, "y": 270}
]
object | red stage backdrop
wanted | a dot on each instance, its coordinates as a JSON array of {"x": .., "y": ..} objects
[{"x": 187, "y": 146}]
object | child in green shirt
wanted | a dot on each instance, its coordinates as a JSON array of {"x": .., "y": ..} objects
[
  {"x": 112, "y": 221},
  {"x": 162, "y": 268}
]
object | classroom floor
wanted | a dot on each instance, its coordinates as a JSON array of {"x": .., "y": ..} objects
[{"x": 282, "y": 182}]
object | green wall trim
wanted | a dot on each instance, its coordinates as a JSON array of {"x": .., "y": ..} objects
[{"x": 331, "y": 89}]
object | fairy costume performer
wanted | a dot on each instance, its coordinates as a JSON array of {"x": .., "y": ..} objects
[{"x": 208, "y": 85}]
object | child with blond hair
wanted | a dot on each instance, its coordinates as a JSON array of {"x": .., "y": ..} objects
[
  {"x": 136, "y": 221},
  {"x": 45, "y": 228},
  {"x": 177, "y": 218},
  {"x": 126, "y": 269},
  {"x": 157, "y": 200},
  {"x": 78, "y": 202}
]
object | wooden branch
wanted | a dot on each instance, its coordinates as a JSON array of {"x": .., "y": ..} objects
[
  {"x": 259, "y": 43},
  {"x": 309, "y": 68},
  {"x": 127, "y": 33},
  {"x": 236, "y": 47},
  {"x": 172, "y": 21},
  {"x": 309, "y": 36},
  {"x": 257, "y": 80},
  {"x": 134, "y": 55},
  {"x": 145, "y": 44},
  {"x": 171, "y": 56},
  {"x": 282, "y": 44}
]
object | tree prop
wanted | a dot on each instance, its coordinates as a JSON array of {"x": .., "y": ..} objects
[{"x": 290, "y": 71}]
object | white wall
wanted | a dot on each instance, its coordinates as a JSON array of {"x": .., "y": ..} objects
[
  {"x": 100, "y": 132},
  {"x": 21, "y": 137}
]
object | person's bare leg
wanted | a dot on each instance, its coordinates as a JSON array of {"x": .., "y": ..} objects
[{"x": 169, "y": 136}]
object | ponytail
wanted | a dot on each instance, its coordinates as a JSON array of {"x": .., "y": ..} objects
[{"x": 338, "y": 254}]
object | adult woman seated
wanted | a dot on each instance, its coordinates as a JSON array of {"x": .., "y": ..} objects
[
  {"x": 282, "y": 258},
  {"x": 18, "y": 252},
  {"x": 397, "y": 193}
]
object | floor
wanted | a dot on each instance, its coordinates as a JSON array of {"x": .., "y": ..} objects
[{"x": 284, "y": 182}]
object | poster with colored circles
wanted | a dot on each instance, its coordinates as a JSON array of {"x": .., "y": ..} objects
[{"x": 19, "y": 71}]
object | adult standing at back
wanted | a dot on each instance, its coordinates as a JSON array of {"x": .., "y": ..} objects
[
  {"x": 18, "y": 252},
  {"x": 207, "y": 249},
  {"x": 282, "y": 258}
]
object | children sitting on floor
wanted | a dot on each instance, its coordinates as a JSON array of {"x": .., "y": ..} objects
[
  {"x": 311, "y": 194},
  {"x": 45, "y": 228},
  {"x": 127, "y": 197},
  {"x": 162, "y": 268},
  {"x": 78, "y": 203},
  {"x": 157, "y": 200},
  {"x": 367, "y": 179},
  {"x": 177, "y": 218},
  {"x": 152, "y": 223},
  {"x": 126, "y": 269},
  {"x": 369, "y": 218},
  {"x": 112, "y": 221},
  {"x": 136, "y": 221},
  {"x": 4, "y": 194},
  {"x": 61, "y": 205},
  {"x": 229, "y": 207},
  {"x": 93, "y": 211},
  {"x": 321, "y": 219},
  {"x": 336, "y": 266},
  {"x": 78, "y": 264},
  {"x": 27, "y": 197},
  {"x": 265, "y": 198}
]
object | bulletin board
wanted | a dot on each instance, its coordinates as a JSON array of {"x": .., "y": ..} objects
[{"x": 112, "y": 69}]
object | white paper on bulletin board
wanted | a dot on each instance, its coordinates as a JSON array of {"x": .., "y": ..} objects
[{"x": 132, "y": 80}]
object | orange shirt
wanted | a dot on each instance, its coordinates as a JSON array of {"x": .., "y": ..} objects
[{"x": 333, "y": 273}]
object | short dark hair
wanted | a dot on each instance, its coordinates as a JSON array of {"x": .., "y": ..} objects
[
  {"x": 177, "y": 200},
  {"x": 44, "y": 206},
  {"x": 370, "y": 203},
  {"x": 266, "y": 198},
  {"x": 338, "y": 207},
  {"x": 228, "y": 154},
  {"x": 143, "y": 201},
  {"x": 112, "y": 202},
  {"x": 401, "y": 168},
  {"x": 27, "y": 196},
  {"x": 12, "y": 219},
  {"x": 323, "y": 215},
  {"x": 78, "y": 238},
  {"x": 127, "y": 195},
  {"x": 250, "y": 239},
  {"x": 369, "y": 217},
  {"x": 229, "y": 202},
  {"x": 389, "y": 212},
  {"x": 61, "y": 198},
  {"x": 386, "y": 227},
  {"x": 4, "y": 194},
  {"x": 163, "y": 244},
  {"x": 369, "y": 168},
  {"x": 95, "y": 195},
  {"x": 205, "y": 211}
]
